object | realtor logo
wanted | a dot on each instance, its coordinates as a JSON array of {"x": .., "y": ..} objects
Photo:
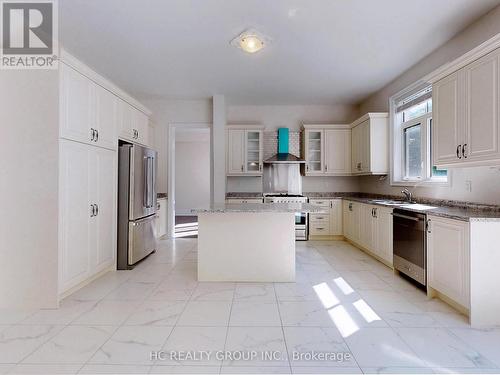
[{"x": 28, "y": 34}]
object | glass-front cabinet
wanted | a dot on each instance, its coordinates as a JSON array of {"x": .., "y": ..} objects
[
  {"x": 244, "y": 150},
  {"x": 314, "y": 145}
]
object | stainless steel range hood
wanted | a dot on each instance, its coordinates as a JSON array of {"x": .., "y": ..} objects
[{"x": 283, "y": 156}]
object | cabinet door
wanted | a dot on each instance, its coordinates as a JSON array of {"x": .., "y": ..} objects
[
  {"x": 253, "y": 152},
  {"x": 366, "y": 226},
  {"x": 75, "y": 214},
  {"x": 482, "y": 140},
  {"x": 77, "y": 105},
  {"x": 235, "y": 151},
  {"x": 382, "y": 235},
  {"x": 337, "y": 151},
  {"x": 314, "y": 146},
  {"x": 361, "y": 148},
  {"x": 346, "y": 219},
  {"x": 355, "y": 221},
  {"x": 141, "y": 125},
  {"x": 448, "y": 260},
  {"x": 336, "y": 217},
  {"x": 125, "y": 121},
  {"x": 106, "y": 118},
  {"x": 103, "y": 177},
  {"x": 447, "y": 120}
]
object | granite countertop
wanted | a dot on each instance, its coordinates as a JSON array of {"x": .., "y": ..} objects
[
  {"x": 243, "y": 195},
  {"x": 260, "y": 207},
  {"x": 463, "y": 211},
  {"x": 467, "y": 212}
]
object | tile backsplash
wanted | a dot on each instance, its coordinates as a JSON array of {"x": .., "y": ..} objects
[{"x": 271, "y": 143}]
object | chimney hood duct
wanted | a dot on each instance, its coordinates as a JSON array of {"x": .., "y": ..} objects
[{"x": 283, "y": 156}]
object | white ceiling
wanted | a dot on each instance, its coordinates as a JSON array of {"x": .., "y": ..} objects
[{"x": 322, "y": 51}]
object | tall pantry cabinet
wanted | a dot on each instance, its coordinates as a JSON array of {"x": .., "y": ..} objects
[{"x": 93, "y": 114}]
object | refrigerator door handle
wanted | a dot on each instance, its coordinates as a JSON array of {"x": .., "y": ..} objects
[{"x": 145, "y": 193}]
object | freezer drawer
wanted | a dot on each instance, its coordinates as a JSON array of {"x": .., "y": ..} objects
[{"x": 142, "y": 239}]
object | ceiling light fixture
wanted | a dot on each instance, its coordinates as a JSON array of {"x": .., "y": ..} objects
[{"x": 250, "y": 41}]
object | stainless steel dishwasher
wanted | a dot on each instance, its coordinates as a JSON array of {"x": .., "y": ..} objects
[{"x": 410, "y": 244}]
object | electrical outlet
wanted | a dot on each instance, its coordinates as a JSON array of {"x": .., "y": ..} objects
[{"x": 468, "y": 185}]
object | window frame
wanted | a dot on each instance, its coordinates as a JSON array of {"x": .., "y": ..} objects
[{"x": 397, "y": 143}]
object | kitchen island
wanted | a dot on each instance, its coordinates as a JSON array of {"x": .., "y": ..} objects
[{"x": 253, "y": 242}]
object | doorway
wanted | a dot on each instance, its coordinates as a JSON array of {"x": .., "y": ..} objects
[{"x": 188, "y": 177}]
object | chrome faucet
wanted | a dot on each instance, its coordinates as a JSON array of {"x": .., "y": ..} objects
[{"x": 408, "y": 195}]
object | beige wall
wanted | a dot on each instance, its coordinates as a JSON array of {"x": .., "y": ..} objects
[
  {"x": 484, "y": 180},
  {"x": 29, "y": 188}
]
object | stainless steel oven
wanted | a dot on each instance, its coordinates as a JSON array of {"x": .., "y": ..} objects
[
  {"x": 410, "y": 244},
  {"x": 301, "y": 218}
]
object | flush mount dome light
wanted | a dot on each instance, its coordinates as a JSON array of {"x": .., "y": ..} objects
[{"x": 250, "y": 41}]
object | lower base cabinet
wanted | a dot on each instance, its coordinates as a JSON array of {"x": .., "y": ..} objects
[
  {"x": 161, "y": 220},
  {"x": 448, "y": 258},
  {"x": 87, "y": 243},
  {"x": 328, "y": 223},
  {"x": 370, "y": 227}
]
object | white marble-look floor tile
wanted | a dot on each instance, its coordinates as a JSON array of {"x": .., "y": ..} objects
[
  {"x": 157, "y": 313},
  {"x": 255, "y": 314},
  {"x": 255, "y": 370},
  {"x": 301, "y": 342},
  {"x": 381, "y": 347},
  {"x": 107, "y": 312},
  {"x": 466, "y": 370},
  {"x": 193, "y": 339},
  {"x": 213, "y": 292},
  {"x": 486, "y": 341},
  {"x": 295, "y": 292},
  {"x": 438, "y": 347},
  {"x": 19, "y": 341},
  {"x": 255, "y": 292},
  {"x": 162, "y": 369},
  {"x": 205, "y": 313},
  {"x": 388, "y": 301},
  {"x": 452, "y": 320},
  {"x": 13, "y": 316},
  {"x": 68, "y": 311},
  {"x": 326, "y": 370},
  {"x": 46, "y": 369},
  {"x": 305, "y": 314},
  {"x": 93, "y": 369},
  {"x": 364, "y": 280},
  {"x": 74, "y": 344},
  {"x": 397, "y": 370},
  {"x": 132, "y": 345},
  {"x": 256, "y": 343},
  {"x": 411, "y": 320},
  {"x": 132, "y": 290}
]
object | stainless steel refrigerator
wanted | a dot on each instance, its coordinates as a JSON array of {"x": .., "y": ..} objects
[{"x": 137, "y": 167}]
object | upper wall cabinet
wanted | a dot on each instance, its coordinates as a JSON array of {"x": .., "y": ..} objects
[
  {"x": 133, "y": 124},
  {"x": 244, "y": 150},
  {"x": 327, "y": 150},
  {"x": 370, "y": 144},
  {"x": 466, "y": 125}
]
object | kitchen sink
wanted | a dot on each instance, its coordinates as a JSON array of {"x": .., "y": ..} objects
[
  {"x": 389, "y": 202},
  {"x": 418, "y": 207},
  {"x": 404, "y": 204}
]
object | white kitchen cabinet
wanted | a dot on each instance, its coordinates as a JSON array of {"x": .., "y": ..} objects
[
  {"x": 243, "y": 200},
  {"x": 370, "y": 145},
  {"x": 382, "y": 234},
  {"x": 351, "y": 221},
  {"x": 466, "y": 110},
  {"x": 88, "y": 111},
  {"x": 336, "y": 227},
  {"x": 244, "y": 151},
  {"x": 367, "y": 226},
  {"x": 77, "y": 106},
  {"x": 448, "y": 258},
  {"x": 134, "y": 125},
  {"x": 327, "y": 150},
  {"x": 87, "y": 212},
  {"x": 328, "y": 223},
  {"x": 142, "y": 127}
]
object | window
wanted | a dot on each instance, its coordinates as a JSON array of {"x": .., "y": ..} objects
[{"x": 412, "y": 144}]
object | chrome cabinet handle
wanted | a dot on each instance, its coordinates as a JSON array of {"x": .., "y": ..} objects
[
  {"x": 242, "y": 168},
  {"x": 428, "y": 226},
  {"x": 96, "y": 135},
  {"x": 92, "y": 134},
  {"x": 458, "y": 152},
  {"x": 464, "y": 152},
  {"x": 326, "y": 168},
  {"x": 92, "y": 210},
  {"x": 375, "y": 215},
  {"x": 96, "y": 209}
]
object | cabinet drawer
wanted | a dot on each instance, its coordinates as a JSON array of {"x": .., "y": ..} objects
[
  {"x": 319, "y": 228},
  {"x": 319, "y": 218},
  {"x": 320, "y": 202},
  {"x": 240, "y": 201}
]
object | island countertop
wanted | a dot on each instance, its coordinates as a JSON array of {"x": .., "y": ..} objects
[{"x": 260, "y": 207}]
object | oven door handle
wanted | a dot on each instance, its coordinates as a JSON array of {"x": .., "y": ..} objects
[{"x": 407, "y": 217}]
